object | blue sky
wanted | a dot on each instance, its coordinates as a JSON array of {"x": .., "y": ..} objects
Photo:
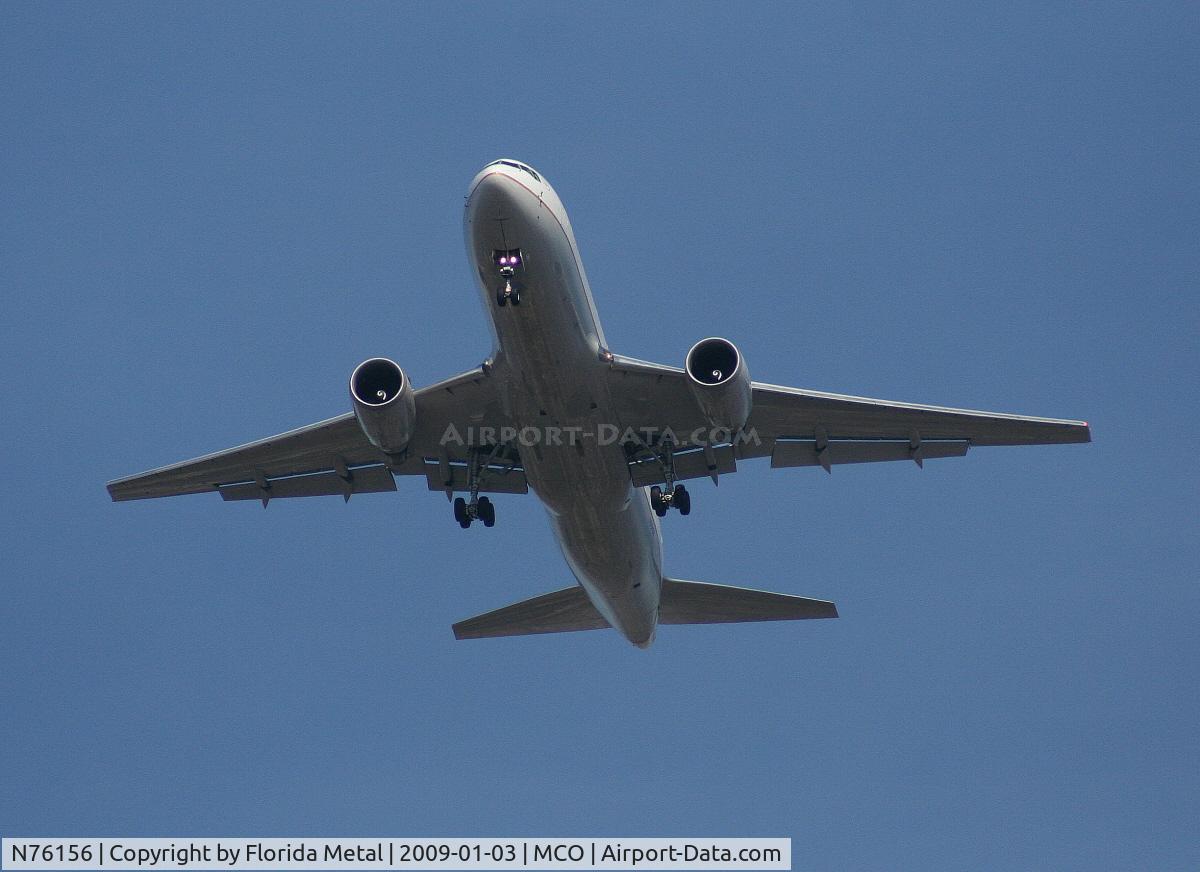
[{"x": 211, "y": 213}]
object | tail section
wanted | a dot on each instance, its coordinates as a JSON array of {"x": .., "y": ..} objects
[
  {"x": 563, "y": 611},
  {"x": 696, "y": 602},
  {"x": 683, "y": 602}
]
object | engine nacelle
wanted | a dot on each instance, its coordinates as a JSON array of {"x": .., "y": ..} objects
[
  {"x": 720, "y": 383},
  {"x": 384, "y": 404}
]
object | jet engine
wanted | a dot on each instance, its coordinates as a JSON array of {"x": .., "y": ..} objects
[
  {"x": 720, "y": 382},
  {"x": 384, "y": 404}
]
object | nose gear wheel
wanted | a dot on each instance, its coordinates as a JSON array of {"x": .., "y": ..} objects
[{"x": 508, "y": 294}]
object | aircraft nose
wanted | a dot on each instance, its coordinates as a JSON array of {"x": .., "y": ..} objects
[{"x": 495, "y": 195}]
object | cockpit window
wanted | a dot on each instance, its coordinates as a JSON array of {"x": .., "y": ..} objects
[{"x": 515, "y": 165}]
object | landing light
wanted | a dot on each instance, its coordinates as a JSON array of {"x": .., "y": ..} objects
[{"x": 507, "y": 257}]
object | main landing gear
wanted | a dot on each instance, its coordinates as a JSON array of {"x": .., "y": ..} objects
[
  {"x": 661, "y": 500},
  {"x": 480, "y": 509},
  {"x": 477, "y": 508},
  {"x": 678, "y": 497}
]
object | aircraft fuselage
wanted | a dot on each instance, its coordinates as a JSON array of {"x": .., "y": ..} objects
[{"x": 552, "y": 380}]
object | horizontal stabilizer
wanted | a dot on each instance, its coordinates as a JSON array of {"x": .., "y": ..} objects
[
  {"x": 695, "y": 602},
  {"x": 563, "y": 611},
  {"x": 683, "y": 602}
]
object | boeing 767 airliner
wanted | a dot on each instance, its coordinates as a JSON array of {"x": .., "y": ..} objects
[{"x": 604, "y": 441}]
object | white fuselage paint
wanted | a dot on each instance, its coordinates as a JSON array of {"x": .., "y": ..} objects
[{"x": 550, "y": 373}]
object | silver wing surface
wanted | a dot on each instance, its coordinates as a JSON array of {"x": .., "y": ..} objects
[
  {"x": 334, "y": 457},
  {"x": 796, "y": 427}
]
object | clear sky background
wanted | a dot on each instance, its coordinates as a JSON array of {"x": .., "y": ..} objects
[{"x": 211, "y": 213}]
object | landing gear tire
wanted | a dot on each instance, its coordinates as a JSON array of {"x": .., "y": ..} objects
[
  {"x": 460, "y": 513},
  {"x": 501, "y": 299},
  {"x": 682, "y": 500},
  {"x": 656, "y": 501},
  {"x": 487, "y": 512},
  {"x": 515, "y": 297}
]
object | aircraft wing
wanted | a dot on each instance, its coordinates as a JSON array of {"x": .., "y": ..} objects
[
  {"x": 796, "y": 427},
  {"x": 334, "y": 457}
]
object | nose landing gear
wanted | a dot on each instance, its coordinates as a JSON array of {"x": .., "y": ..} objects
[
  {"x": 508, "y": 294},
  {"x": 507, "y": 261}
]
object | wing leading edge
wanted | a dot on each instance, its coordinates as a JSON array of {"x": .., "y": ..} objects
[
  {"x": 334, "y": 457},
  {"x": 797, "y": 427}
]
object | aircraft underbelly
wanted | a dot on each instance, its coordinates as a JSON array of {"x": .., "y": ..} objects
[{"x": 615, "y": 556}]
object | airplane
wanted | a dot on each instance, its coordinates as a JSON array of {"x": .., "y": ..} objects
[{"x": 604, "y": 441}]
